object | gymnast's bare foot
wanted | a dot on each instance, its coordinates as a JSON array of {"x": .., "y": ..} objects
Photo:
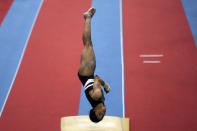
[{"x": 89, "y": 13}]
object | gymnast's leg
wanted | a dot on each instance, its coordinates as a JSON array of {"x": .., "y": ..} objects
[{"x": 88, "y": 60}]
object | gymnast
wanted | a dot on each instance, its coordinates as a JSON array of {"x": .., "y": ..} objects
[{"x": 91, "y": 83}]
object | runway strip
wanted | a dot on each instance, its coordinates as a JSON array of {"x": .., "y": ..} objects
[
  {"x": 14, "y": 35},
  {"x": 191, "y": 11}
]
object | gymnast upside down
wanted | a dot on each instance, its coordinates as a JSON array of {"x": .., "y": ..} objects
[{"x": 91, "y": 83}]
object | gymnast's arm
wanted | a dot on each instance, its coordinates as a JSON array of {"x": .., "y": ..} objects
[{"x": 104, "y": 84}]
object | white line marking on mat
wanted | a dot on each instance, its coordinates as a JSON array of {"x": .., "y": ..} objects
[
  {"x": 153, "y": 62},
  {"x": 156, "y": 55}
]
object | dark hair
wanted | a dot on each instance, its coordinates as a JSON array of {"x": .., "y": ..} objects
[{"x": 93, "y": 117}]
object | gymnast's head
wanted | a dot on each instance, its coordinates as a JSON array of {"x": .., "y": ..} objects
[{"x": 97, "y": 113}]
